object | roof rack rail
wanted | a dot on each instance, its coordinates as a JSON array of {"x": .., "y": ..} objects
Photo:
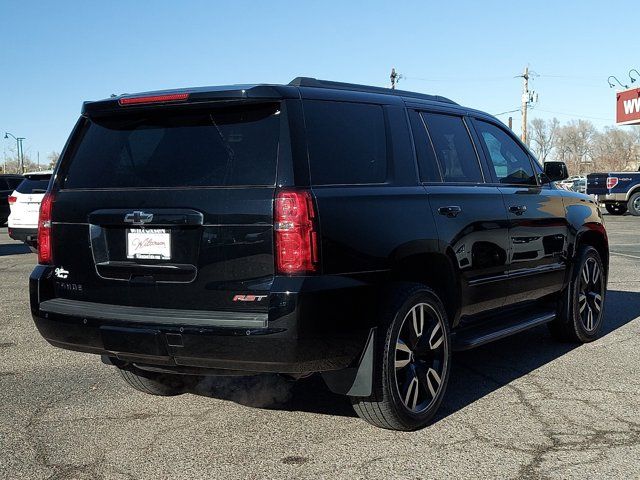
[{"x": 314, "y": 82}]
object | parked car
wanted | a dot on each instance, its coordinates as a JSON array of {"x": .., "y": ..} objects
[
  {"x": 317, "y": 227},
  {"x": 8, "y": 184},
  {"x": 618, "y": 191},
  {"x": 24, "y": 203},
  {"x": 579, "y": 185}
]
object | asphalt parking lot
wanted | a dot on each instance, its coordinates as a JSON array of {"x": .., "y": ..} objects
[{"x": 526, "y": 407}]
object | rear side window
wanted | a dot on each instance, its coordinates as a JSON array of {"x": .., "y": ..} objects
[
  {"x": 346, "y": 141},
  {"x": 455, "y": 153},
  {"x": 35, "y": 184},
  {"x": 230, "y": 147},
  {"x": 510, "y": 162}
]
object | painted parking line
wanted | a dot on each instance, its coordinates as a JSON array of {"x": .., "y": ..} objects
[{"x": 637, "y": 257}]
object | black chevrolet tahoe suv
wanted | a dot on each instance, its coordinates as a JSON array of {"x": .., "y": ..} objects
[{"x": 357, "y": 232}]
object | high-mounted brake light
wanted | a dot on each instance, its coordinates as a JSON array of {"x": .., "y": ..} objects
[
  {"x": 612, "y": 182},
  {"x": 172, "y": 97},
  {"x": 296, "y": 242},
  {"x": 12, "y": 199},
  {"x": 45, "y": 255}
]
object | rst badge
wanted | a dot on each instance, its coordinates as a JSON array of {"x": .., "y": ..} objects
[{"x": 249, "y": 298}]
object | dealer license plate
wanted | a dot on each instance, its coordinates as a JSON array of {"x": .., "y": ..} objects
[{"x": 154, "y": 243}]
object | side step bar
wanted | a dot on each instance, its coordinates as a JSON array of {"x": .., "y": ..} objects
[{"x": 473, "y": 337}]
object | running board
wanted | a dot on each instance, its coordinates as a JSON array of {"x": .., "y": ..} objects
[{"x": 473, "y": 337}]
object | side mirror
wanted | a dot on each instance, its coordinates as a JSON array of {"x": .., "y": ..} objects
[{"x": 556, "y": 171}]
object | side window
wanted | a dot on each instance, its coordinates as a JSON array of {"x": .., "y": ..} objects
[
  {"x": 4, "y": 184},
  {"x": 347, "y": 142},
  {"x": 455, "y": 153},
  {"x": 427, "y": 163},
  {"x": 510, "y": 162}
]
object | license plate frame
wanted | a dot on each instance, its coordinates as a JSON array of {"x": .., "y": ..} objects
[{"x": 148, "y": 244}]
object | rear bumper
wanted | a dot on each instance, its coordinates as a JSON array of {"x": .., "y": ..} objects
[
  {"x": 307, "y": 328},
  {"x": 27, "y": 235},
  {"x": 611, "y": 197}
]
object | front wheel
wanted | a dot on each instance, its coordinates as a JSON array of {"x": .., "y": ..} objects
[
  {"x": 581, "y": 311},
  {"x": 616, "y": 208},
  {"x": 413, "y": 361}
]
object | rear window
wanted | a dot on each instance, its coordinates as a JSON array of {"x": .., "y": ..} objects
[
  {"x": 34, "y": 184},
  {"x": 346, "y": 141},
  {"x": 230, "y": 147}
]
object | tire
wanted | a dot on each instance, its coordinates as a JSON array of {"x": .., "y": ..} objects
[
  {"x": 616, "y": 208},
  {"x": 412, "y": 361},
  {"x": 152, "y": 383},
  {"x": 581, "y": 312},
  {"x": 634, "y": 204}
]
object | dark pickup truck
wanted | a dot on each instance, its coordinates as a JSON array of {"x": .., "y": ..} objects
[{"x": 619, "y": 191}]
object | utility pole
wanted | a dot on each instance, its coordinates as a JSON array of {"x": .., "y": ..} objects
[
  {"x": 395, "y": 78},
  {"x": 525, "y": 103}
]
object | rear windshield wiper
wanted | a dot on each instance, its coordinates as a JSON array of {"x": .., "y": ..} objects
[{"x": 38, "y": 190}]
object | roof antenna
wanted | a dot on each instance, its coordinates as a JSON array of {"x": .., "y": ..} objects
[{"x": 395, "y": 78}]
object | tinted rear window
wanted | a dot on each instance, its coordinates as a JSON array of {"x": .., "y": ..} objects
[
  {"x": 454, "y": 150},
  {"x": 34, "y": 184},
  {"x": 231, "y": 147},
  {"x": 346, "y": 141}
]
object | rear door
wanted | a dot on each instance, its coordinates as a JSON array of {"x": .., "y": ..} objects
[
  {"x": 538, "y": 226},
  {"x": 170, "y": 208},
  {"x": 470, "y": 215}
]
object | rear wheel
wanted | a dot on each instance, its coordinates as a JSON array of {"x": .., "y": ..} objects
[
  {"x": 581, "y": 312},
  {"x": 634, "y": 204},
  {"x": 152, "y": 383},
  {"x": 616, "y": 208},
  {"x": 413, "y": 361}
]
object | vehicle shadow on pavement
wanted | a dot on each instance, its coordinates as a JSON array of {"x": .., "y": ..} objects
[
  {"x": 13, "y": 249},
  {"x": 475, "y": 373},
  {"x": 479, "y": 372}
]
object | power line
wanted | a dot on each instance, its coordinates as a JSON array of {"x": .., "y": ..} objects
[
  {"x": 504, "y": 113},
  {"x": 577, "y": 115}
]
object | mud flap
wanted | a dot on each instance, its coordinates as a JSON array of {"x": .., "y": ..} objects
[{"x": 354, "y": 381}]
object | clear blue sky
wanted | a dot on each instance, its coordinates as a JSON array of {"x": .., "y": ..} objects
[{"x": 54, "y": 55}]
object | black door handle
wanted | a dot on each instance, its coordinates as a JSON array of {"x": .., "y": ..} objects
[
  {"x": 518, "y": 209},
  {"x": 451, "y": 211}
]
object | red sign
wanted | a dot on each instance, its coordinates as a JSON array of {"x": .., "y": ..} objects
[{"x": 628, "y": 107}]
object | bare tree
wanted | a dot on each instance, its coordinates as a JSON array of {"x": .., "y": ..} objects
[
  {"x": 616, "y": 149},
  {"x": 574, "y": 143},
  {"x": 12, "y": 162},
  {"x": 53, "y": 159},
  {"x": 542, "y": 136}
]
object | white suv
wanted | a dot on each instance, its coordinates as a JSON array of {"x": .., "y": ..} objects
[{"x": 24, "y": 203}]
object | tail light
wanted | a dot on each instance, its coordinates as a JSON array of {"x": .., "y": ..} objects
[
  {"x": 296, "y": 242},
  {"x": 45, "y": 255},
  {"x": 12, "y": 199},
  {"x": 611, "y": 182}
]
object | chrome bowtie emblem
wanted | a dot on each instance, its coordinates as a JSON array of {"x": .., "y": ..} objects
[{"x": 138, "y": 218}]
